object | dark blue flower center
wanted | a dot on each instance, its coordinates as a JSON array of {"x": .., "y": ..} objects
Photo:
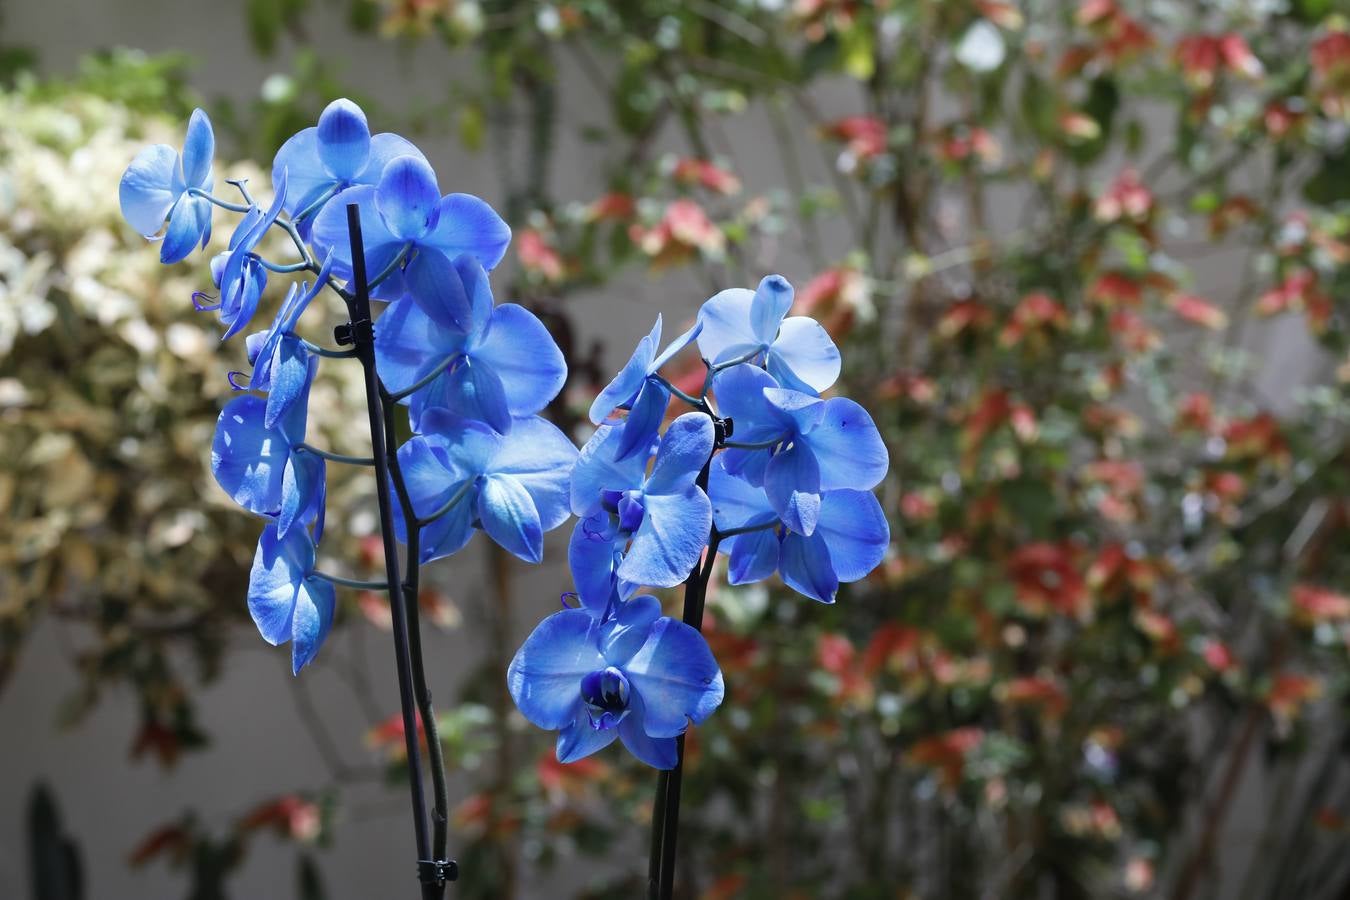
[
  {"x": 627, "y": 505},
  {"x": 605, "y": 693}
]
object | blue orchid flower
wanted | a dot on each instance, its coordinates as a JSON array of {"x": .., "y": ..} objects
[
  {"x": 496, "y": 364},
  {"x": 404, "y": 216},
  {"x": 238, "y": 272},
  {"x": 338, "y": 153},
  {"x": 594, "y": 554},
  {"x": 281, "y": 363},
  {"x": 664, "y": 517},
  {"x": 160, "y": 184},
  {"x": 817, "y": 445},
  {"x": 637, "y": 389},
  {"x": 634, "y": 675},
  {"x": 849, "y": 540},
  {"x": 265, "y": 468},
  {"x": 744, "y": 326},
  {"x": 461, "y": 474},
  {"x": 286, "y": 600}
]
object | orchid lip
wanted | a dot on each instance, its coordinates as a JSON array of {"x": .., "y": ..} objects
[{"x": 606, "y": 693}]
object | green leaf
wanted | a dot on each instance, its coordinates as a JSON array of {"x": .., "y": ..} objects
[
  {"x": 1331, "y": 183},
  {"x": 858, "y": 53},
  {"x": 472, "y": 126},
  {"x": 264, "y": 18},
  {"x": 363, "y": 15},
  {"x": 1103, "y": 100},
  {"x": 1038, "y": 104}
]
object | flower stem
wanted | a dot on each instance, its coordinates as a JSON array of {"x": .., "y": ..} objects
[
  {"x": 666, "y": 807},
  {"x": 338, "y": 457},
  {"x": 433, "y": 870},
  {"x": 352, "y": 582},
  {"x": 396, "y": 396},
  {"x": 440, "y": 812}
]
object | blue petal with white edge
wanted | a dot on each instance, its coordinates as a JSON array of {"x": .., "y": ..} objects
[
  {"x": 675, "y": 347},
  {"x": 792, "y": 483},
  {"x": 407, "y": 197},
  {"x": 470, "y": 389},
  {"x": 671, "y": 539},
  {"x": 644, "y": 419},
  {"x": 804, "y": 357},
  {"x": 343, "y": 139},
  {"x": 806, "y": 566},
  {"x": 855, "y": 532},
  {"x": 735, "y": 502},
  {"x": 772, "y": 300},
  {"x": 685, "y": 449},
  {"x": 248, "y": 459},
  {"x": 848, "y": 446},
  {"x": 146, "y": 192},
  {"x": 436, "y": 286},
  {"x": 524, "y": 356},
  {"x": 579, "y": 740},
  {"x": 189, "y": 223},
  {"x": 540, "y": 457},
  {"x": 510, "y": 518},
  {"x": 409, "y": 345},
  {"x": 289, "y": 377},
  {"x": 597, "y": 469},
  {"x": 278, "y": 569},
  {"x": 625, "y": 386},
  {"x": 659, "y": 753},
  {"x": 466, "y": 224},
  {"x": 302, "y": 484},
  {"x": 677, "y": 676},
  {"x": 329, "y": 234},
  {"x": 752, "y": 556},
  {"x": 545, "y": 676},
  {"x": 593, "y": 556},
  {"x": 740, "y": 397},
  {"x": 727, "y": 332},
  {"x": 313, "y": 619},
  {"x": 428, "y": 478},
  {"x": 625, "y": 631},
  {"x": 199, "y": 149}
]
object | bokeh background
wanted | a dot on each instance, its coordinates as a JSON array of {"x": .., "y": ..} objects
[{"x": 1086, "y": 262}]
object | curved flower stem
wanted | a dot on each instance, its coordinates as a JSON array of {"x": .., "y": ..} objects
[
  {"x": 396, "y": 396},
  {"x": 352, "y": 582},
  {"x": 713, "y": 369},
  {"x": 223, "y": 204},
  {"x": 338, "y": 457},
  {"x": 735, "y": 360},
  {"x": 433, "y": 870},
  {"x": 666, "y": 808},
  {"x": 327, "y": 352},
  {"x": 423, "y": 521},
  {"x": 392, "y": 266},
  {"x": 743, "y": 529},
  {"x": 318, "y": 201},
  {"x": 699, "y": 403},
  {"x": 280, "y": 268},
  {"x": 752, "y": 445}
]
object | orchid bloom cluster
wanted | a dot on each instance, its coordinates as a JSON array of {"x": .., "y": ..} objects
[
  {"x": 474, "y": 374},
  {"x": 774, "y": 477},
  {"x": 762, "y": 470}
]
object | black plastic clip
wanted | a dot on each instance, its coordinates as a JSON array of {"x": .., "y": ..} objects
[
  {"x": 437, "y": 871},
  {"x": 722, "y": 431},
  {"x": 349, "y": 333}
]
